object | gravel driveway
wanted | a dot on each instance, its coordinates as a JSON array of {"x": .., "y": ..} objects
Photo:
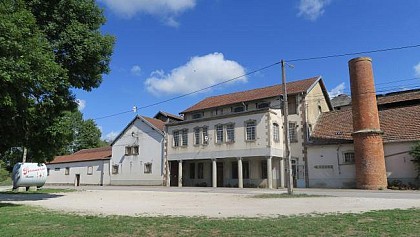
[{"x": 214, "y": 202}]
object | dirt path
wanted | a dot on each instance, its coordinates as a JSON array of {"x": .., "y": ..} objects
[{"x": 158, "y": 203}]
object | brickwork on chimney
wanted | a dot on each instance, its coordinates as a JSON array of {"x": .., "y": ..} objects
[{"x": 367, "y": 136}]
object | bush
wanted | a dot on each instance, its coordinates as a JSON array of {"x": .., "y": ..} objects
[
  {"x": 4, "y": 174},
  {"x": 415, "y": 153}
]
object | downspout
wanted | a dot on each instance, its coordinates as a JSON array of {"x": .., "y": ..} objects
[{"x": 338, "y": 159}]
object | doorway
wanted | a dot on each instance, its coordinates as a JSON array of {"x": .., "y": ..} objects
[
  {"x": 77, "y": 180},
  {"x": 219, "y": 174},
  {"x": 174, "y": 173}
]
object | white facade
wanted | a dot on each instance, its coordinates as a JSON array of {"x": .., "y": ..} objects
[
  {"x": 95, "y": 172},
  {"x": 328, "y": 167},
  {"x": 137, "y": 155},
  {"x": 201, "y": 152}
]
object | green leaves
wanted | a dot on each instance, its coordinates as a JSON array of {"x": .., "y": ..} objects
[{"x": 47, "y": 47}]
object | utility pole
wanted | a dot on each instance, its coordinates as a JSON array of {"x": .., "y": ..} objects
[{"x": 289, "y": 177}]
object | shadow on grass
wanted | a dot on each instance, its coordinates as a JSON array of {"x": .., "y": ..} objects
[{"x": 2, "y": 204}]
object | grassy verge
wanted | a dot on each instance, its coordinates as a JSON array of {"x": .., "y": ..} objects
[
  {"x": 285, "y": 195},
  {"x": 16, "y": 220},
  {"x": 7, "y": 182}
]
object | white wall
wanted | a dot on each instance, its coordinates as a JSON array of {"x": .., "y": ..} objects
[
  {"x": 99, "y": 176},
  {"x": 131, "y": 168},
  {"x": 398, "y": 165}
]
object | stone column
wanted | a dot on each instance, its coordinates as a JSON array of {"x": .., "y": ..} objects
[
  {"x": 214, "y": 176},
  {"x": 269, "y": 173},
  {"x": 240, "y": 174},
  {"x": 180, "y": 173},
  {"x": 281, "y": 173}
]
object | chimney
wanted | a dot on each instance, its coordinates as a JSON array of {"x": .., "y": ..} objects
[{"x": 367, "y": 136}]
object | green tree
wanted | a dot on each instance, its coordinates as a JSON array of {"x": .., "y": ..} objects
[
  {"x": 47, "y": 48},
  {"x": 85, "y": 133},
  {"x": 415, "y": 153}
]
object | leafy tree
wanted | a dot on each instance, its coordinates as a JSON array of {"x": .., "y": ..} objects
[
  {"x": 85, "y": 133},
  {"x": 4, "y": 174},
  {"x": 415, "y": 153},
  {"x": 47, "y": 47}
]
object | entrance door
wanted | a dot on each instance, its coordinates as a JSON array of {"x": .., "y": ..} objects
[
  {"x": 219, "y": 174},
  {"x": 77, "y": 180},
  {"x": 174, "y": 172}
]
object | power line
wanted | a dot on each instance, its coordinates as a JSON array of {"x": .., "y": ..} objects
[
  {"x": 354, "y": 53},
  {"x": 261, "y": 69}
]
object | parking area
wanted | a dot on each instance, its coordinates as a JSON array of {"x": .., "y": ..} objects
[{"x": 215, "y": 202}]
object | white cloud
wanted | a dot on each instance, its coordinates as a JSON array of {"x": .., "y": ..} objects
[
  {"x": 417, "y": 70},
  {"x": 198, "y": 73},
  {"x": 111, "y": 136},
  {"x": 81, "y": 104},
  {"x": 136, "y": 70},
  {"x": 338, "y": 90},
  {"x": 166, "y": 10},
  {"x": 312, "y": 9}
]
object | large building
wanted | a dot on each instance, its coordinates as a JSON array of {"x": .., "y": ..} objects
[
  {"x": 237, "y": 139},
  {"x": 331, "y": 160}
]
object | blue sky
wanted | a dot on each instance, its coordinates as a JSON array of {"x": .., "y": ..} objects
[{"x": 165, "y": 48}]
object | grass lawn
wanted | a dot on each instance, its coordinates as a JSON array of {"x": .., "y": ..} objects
[
  {"x": 7, "y": 182},
  {"x": 17, "y": 220}
]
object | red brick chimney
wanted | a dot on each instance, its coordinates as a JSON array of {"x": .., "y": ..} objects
[{"x": 367, "y": 135}]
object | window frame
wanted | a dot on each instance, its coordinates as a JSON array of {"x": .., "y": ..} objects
[
  {"x": 293, "y": 132},
  {"x": 90, "y": 170},
  {"x": 147, "y": 168},
  {"x": 67, "y": 171},
  {"x": 230, "y": 132},
  {"x": 115, "y": 169},
  {"x": 292, "y": 104},
  {"x": 250, "y": 131},
  {"x": 205, "y": 135},
  {"x": 352, "y": 159},
  {"x": 184, "y": 137},
  {"x": 197, "y": 136},
  {"x": 176, "y": 138},
  {"x": 276, "y": 132},
  {"x": 218, "y": 129}
]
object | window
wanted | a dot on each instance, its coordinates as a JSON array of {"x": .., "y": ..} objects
[
  {"x": 263, "y": 169},
  {"x": 276, "y": 132},
  {"x": 323, "y": 166},
  {"x": 148, "y": 168},
  {"x": 176, "y": 138},
  {"x": 200, "y": 170},
  {"x": 219, "y": 133},
  {"x": 192, "y": 170},
  {"x": 67, "y": 171},
  {"x": 185, "y": 137},
  {"x": 263, "y": 105},
  {"x": 293, "y": 132},
  {"x": 245, "y": 170},
  {"x": 56, "y": 169},
  {"x": 135, "y": 150},
  {"x": 349, "y": 157},
  {"x": 292, "y": 105},
  {"x": 196, "y": 136},
  {"x": 250, "y": 130},
  {"x": 90, "y": 170},
  {"x": 197, "y": 115},
  {"x": 205, "y": 136},
  {"x": 238, "y": 109},
  {"x": 115, "y": 169},
  {"x": 230, "y": 132},
  {"x": 131, "y": 150}
]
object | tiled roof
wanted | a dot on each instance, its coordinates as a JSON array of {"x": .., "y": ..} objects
[
  {"x": 341, "y": 100},
  {"x": 397, "y": 123},
  {"x": 176, "y": 117},
  {"x": 159, "y": 124},
  {"x": 398, "y": 97},
  {"x": 102, "y": 153},
  {"x": 250, "y": 95}
]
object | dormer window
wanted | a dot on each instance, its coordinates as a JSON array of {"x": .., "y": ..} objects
[
  {"x": 197, "y": 115},
  {"x": 262, "y": 105},
  {"x": 238, "y": 109}
]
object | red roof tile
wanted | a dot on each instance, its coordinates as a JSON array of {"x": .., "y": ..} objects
[
  {"x": 398, "y": 97},
  {"x": 397, "y": 123},
  {"x": 159, "y": 124},
  {"x": 102, "y": 153},
  {"x": 250, "y": 95}
]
